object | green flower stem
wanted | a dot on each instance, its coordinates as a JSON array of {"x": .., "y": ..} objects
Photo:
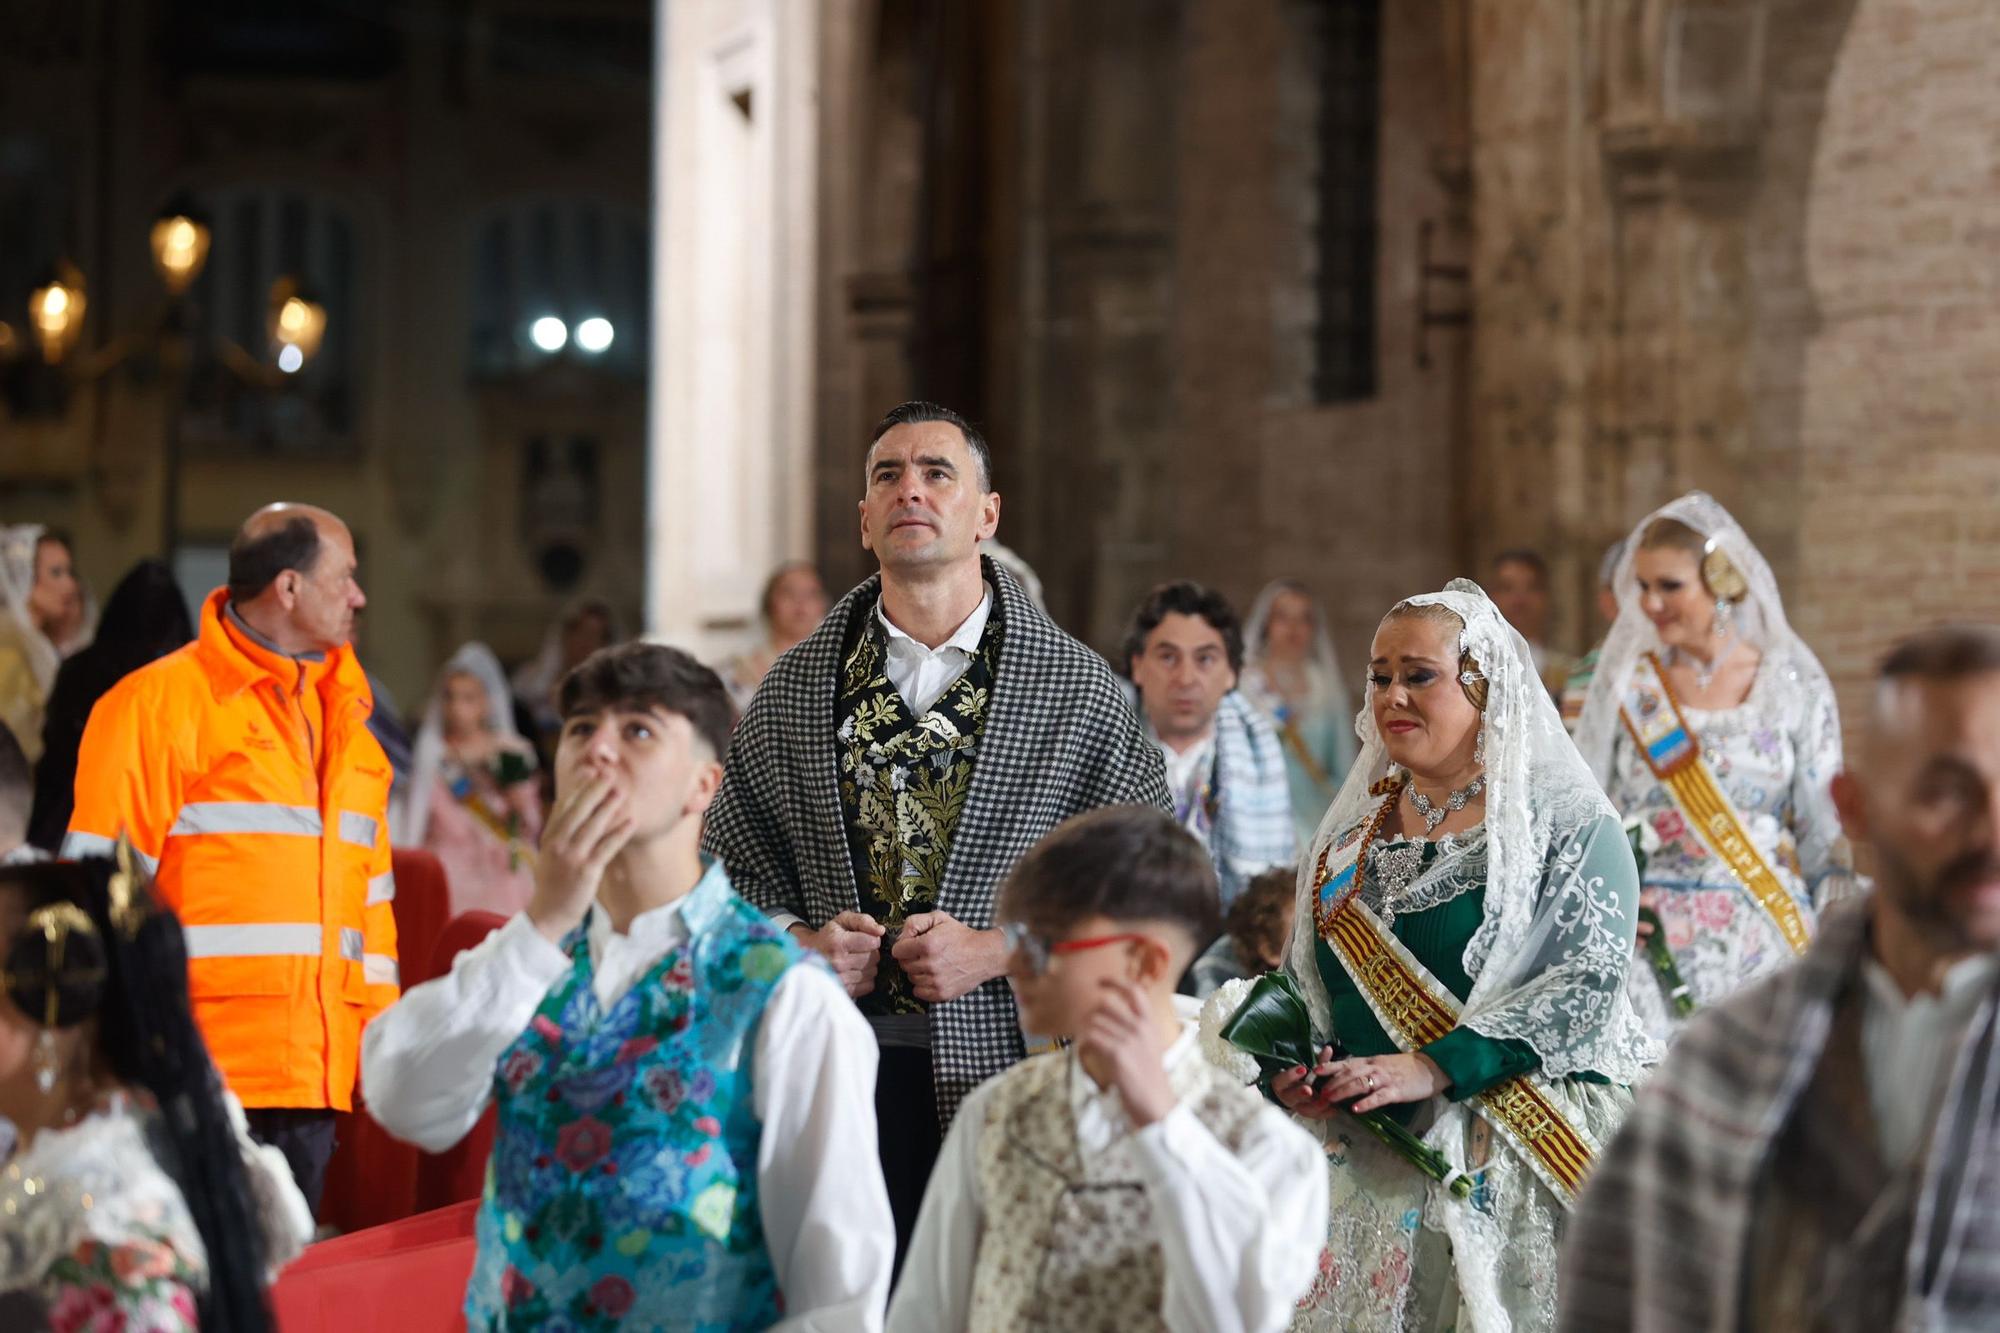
[
  {"x": 1414, "y": 1150},
  {"x": 1272, "y": 1024},
  {"x": 1662, "y": 960}
]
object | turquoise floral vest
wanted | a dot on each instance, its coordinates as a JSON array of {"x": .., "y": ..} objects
[{"x": 622, "y": 1191}]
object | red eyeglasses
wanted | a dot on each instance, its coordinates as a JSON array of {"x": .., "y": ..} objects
[{"x": 1038, "y": 950}]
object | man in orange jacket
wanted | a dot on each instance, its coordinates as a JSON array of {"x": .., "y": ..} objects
[{"x": 242, "y": 768}]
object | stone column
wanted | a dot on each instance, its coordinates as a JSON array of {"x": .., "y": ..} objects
[{"x": 729, "y": 431}]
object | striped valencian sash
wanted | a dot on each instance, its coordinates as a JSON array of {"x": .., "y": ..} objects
[
  {"x": 1415, "y": 1009},
  {"x": 1668, "y": 745}
]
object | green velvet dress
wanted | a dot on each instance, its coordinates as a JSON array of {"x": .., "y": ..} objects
[{"x": 1435, "y": 921}]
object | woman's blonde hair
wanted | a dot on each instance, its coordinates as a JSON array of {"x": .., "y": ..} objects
[
  {"x": 1719, "y": 576},
  {"x": 1437, "y": 613}
]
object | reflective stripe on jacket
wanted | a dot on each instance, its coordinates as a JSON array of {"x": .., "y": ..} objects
[{"x": 249, "y": 783}]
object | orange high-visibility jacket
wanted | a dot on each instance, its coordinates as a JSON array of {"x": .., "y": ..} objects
[{"x": 250, "y": 784}]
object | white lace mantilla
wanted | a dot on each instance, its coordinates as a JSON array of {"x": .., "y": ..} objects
[{"x": 1548, "y": 966}]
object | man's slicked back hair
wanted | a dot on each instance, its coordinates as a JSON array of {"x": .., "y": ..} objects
[{"x": 918, "y": 413}]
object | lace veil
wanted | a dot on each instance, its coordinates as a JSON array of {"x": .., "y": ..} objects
[
  {"x": 1548, "y": 963},
  {"x": 1758, "y": 619},
  {"x": 475, "y": 660},
  {"x": 17, "y": 581},
  {"x": 1322, "y": 668}
]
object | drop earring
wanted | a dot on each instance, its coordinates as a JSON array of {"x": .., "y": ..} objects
[
  {"x": 46, "y": 1062},
  {"x": 1479, "y": 746}
]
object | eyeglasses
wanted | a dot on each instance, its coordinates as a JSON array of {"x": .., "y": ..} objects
[{"x": 1038, "y": 950}]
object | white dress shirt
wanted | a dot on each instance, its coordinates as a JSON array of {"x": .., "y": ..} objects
[
  {"x": 1241, "y": 1232},
  {"x": 427, "y": 1067},
  {"x": 1908, "y": 1045},
  {"x": 922, "y": 675},
  {"x": 1187, "y": 771}
]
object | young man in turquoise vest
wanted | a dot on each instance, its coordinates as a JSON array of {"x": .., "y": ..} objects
[{"x": 682, "y": 1089}]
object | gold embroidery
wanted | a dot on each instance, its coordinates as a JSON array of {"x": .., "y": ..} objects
[{"x": 1708, "y": 810}]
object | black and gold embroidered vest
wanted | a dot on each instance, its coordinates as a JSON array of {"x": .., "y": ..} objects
[{"x": 903, "y": 783}]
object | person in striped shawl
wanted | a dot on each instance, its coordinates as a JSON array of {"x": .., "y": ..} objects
[
  {"x": 1225, "y": 764},
  {"x": 1822, "y": 1151}
]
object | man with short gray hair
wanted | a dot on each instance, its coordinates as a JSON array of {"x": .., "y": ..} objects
[{"x": 242, "y": 769}]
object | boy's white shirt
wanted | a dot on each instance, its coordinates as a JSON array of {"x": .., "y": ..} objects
[
  {"x": 1241, "y": 1231},
  {"x": 427, "y": 1068}
]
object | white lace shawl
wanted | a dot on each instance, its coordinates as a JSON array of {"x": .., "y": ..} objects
[{"x": 1548, "y": 963}]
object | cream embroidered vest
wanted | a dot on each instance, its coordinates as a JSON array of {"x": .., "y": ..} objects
[{"x": 1067, "y": 1244}]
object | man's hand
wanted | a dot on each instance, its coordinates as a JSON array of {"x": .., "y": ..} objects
[
  {"x": 852, "y": 942},
  {"x": 1123, "y": 1035},
  {"x": 945, "y": 958},
  {"x": 586, "y": 828}
]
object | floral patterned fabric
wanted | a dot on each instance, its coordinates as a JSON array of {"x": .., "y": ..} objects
[
  {"x": 1774, "y": 755},
  {"x": 903, "y": 784},
  {"x": 622, "y": 1192},
  {"x": 141, "y": 1285},
  {"x": 95, "y": 1234},
  {"x": 1071, "y": 1244}
]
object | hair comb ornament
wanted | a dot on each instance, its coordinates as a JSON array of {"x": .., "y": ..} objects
[
  {"x": 128, "y": 898},
  {"x": 1721, "y": 575},
  {"x": 55, "y": 969}
]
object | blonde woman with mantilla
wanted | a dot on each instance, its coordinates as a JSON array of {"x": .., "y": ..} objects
[
  {"x": 1465, "y": 922},
  {"x": 1712, "y": 723}
]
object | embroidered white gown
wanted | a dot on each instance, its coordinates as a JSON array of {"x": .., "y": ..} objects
[{"x": 1774, "y": 756}]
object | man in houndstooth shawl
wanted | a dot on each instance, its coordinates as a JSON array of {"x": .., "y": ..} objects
[
  {"x": 1821, "y": 1151},
  {"x": 941, "y": 674}
]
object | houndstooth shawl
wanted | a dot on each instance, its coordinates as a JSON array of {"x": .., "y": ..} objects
[
  {"x": 1660, "y": 1239},
  {"x": 1059, "y": 740}
]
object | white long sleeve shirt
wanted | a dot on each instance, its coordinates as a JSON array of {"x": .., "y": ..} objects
[
  {"x": 1241, "y": 1232},
  {"x": 427, "y": 1067}
]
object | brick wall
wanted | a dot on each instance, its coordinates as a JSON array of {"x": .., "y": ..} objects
[{"x": 1899, "y": 422}]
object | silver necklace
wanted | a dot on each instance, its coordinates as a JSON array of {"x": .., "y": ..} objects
[
  {"x": 1435, "y": 815},
  {"x": 1704, "y": 679}
]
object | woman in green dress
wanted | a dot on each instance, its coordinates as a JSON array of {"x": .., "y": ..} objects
[{"x": 1466, "y": 916}]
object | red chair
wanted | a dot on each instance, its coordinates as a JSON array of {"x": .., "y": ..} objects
[
  {"x": 422, "y": 907},
  {"x": 459, "y": 1172},
  {"x": 409, "y": 1276},
  {"x": 372, "y": 1178}
]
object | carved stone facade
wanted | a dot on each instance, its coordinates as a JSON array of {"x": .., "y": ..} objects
[{"x": 1736, "y": 244}]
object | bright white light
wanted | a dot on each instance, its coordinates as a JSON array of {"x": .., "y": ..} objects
[
  {"x": 549, "y": 333},
  {"x": 290, "y": 358},
  {"x": 594, "y": 334}
]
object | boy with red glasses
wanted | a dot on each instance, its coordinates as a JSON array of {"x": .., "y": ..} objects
[{"x": 1123, "y": 1182}]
